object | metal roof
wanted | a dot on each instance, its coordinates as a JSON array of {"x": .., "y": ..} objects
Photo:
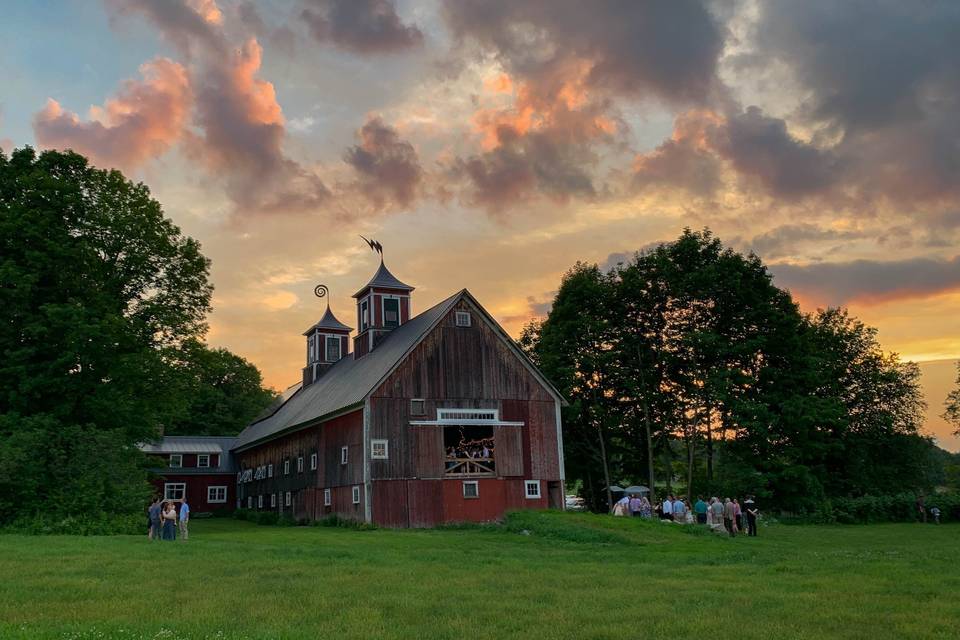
[
  {"x": 195, "y": 444},
  {"x": 383, "y": 278},
  {"x": 329, "y": 321},
  {"x": 347, "y": 383}
]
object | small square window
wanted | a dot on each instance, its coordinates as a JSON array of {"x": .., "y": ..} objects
[
  {"x": 463, "y": 319},
  {"x": 532, "y": 489},
  {"x": 326, "y": 497},
  {"x": 300, "y": 464},
  {"x": 343, "y": 455},
  {"x": 286, "y": 499},
  {"x": 286, "y": 467},
  {"x": 418, "y": 407},
  {"x": 471, "y": 489},
  {"x": 269, "y": 470},
  {"x": 356, "y": 494},
  {"x": 378, "y": 449},
  {"x": 313, "y": 462},
  {"x": 176, "y": 460},
  {"x": 174, "y": 490},
  {"x": 260, "y": 502},
  {"x": 203, "y": 460},
  {"x": 217, "y": 494},
  {"x": 273, "y": 501}
]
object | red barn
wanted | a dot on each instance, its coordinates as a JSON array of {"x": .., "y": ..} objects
[
  {"x": 199, "y": 468},
  {"x": 433, "y": 418}
]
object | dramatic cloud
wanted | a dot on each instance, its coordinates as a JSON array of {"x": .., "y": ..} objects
[
  {"x": 361, "y": 26},
  {"x": 790, "y": 239},
  {"x": 183, "y": 22},
  {"x": 869, "y": 281},
  {"x": 388, "y": 167},
  {"x": 685, "y": 160},
  {"x": 142, "y": 122}
]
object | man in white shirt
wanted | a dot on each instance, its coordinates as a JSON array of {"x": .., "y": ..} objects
[{"x": 668, "y": 508}]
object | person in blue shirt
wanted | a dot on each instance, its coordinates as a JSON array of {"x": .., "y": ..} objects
[
  {"x": 184, "y": 519},
  {"x": 700, "y": 508},
  {"x": 153, "y": 513}
]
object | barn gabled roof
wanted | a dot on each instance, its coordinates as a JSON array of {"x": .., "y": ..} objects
[
  {"x": 346, "y": 385},
  {"x": 194, "y": 444},
  {"x": 384, "y": 280}
]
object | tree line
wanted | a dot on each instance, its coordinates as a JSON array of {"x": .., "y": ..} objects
[
  {"x": 686, "y": 367},
  {"x": 101, "y": 345}
]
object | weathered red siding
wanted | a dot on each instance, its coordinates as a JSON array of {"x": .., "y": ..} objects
[{"x": 196, "y": 489}]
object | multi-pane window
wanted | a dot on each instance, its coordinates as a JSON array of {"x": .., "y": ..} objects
[
  {"x": 286, "y": 467},
  {"x": 287, "y": 499},
  {"x": 260, "y": 501},
  {"x": 326, "y": 497},
  {"x": 216, "y": 494},
  {"x": 174, "y": 490},
  {"x": 391, "y": 312},
  {"x": 313, "y": 462},
  {"x": 532, "y": 489},
  {"x": 471, "y": 489},
  {"x": 343, "y": 455},
  {"x": 273, "y": 501},
  {"x": 203, "y": 460},
  {"x": 176, "y": 460},
  {"x": 378, "y": 449},
  {"x": 299, "y": 464},
  {"x": 356, "y": 494},
  {"x": 463, "y": 319},
  {"x": 269, "y": 470},
  {"x": 311, "y": 348},
  {"x": 333, "y": 348},
  {"x": 364, "y": 315},
  {"x": 418, "y": 407}
]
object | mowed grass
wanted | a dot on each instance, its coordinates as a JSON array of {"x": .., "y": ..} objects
[{"x": 573, "y": 576}]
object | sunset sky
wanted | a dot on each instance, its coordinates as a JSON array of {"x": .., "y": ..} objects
[{"x": 492, "y": 144}]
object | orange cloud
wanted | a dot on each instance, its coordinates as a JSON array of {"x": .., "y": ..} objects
[{"x": 142, "y": 122}]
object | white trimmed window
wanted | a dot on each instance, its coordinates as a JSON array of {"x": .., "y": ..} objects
[
  {"x": 532, "y": 489},
  {"x": 391, "y": 312},
  {"x": 364, "y": 314},
  {"x": 418, "y": 407},
  {"x": 379, "y": 449},
  {"x": 471, "y": 489},
  {"x": 273, "y": 501},
  {"x": 269, "y": 470},
  {"x": 174, "y": 490},
  {"x": 176, "y": 460},
  {"x": 286, "y": 467},
  {"x": 356, "y": 494},
  {"x": 249, "y": 502},
  {"x": 333, "y": 348},
  {"x": 216, "y": 494},
  {"x": 203, "y": 460},
  {"x": 326, "y": 497},
  {"x": 463, "y": 319},
  {"x": 300, "y": 464},
  {"x": 344, "y": 455},
  {"x": 313, "y": 462},
  {"x": 260, "y": 501},
  {"x": 286, "y": 499}
]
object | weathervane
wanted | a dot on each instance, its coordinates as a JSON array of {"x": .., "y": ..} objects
[
  {"x": 375, "y": 246},
  {"x": 321, "y": 291}
]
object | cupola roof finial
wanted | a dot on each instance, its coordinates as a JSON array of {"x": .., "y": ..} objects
[{"x": 328, "y": 321}]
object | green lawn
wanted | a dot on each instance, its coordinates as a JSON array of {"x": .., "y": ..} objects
[{"x": 574, "y": 576}]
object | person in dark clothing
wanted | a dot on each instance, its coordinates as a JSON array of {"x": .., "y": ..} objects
[{"x": 752, "y": 513}]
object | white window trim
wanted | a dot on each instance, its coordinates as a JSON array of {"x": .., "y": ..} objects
[
  {"x": 313, "y": 462},
  {"x": 269, "y": 470},
  {"x": 459, "y": 417},
  {"x": 260, "y": 501},
  {"x": 356, "y": 494},
  {"x": 171, "y": 485},
  {"x": 327, "y": 337},
  {"x": 365, "y": 316},
  {"x": 286, "y": 467},
  {"x": 273, "y": 501},
  {"x": 203, "y": 456},
  {"x": 179, "y": 458},
  {"x": 383, "y": 308},
  {"x": 476, "y": 486},
  {"x": 249, "y": 502},
  {"x": 527, "y": 485},
  {"x": 373, "y": 449},
  {"x": 299, "y": 464},
  {"x": 327, "y": 498},
  {"x": 423, "y": 404},
  {"x": 344, "y": 455},
  {"x": 463, "y": 319},
  {"x": 286, "y": 499},
  {"x": 212, "y": 492},
  {"x": 311, "y": 348}
]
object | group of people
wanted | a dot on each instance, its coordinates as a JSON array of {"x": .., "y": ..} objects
[
  {"x": 478, "y": 449},
  {"x": 727, "y": 515},
  {"x": 163, "y": 519}
]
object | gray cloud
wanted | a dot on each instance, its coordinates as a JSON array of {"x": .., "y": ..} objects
[
  {"x": 361, "y": 26},
  {"x": 388, "y": 167},
  {"x": 838, "y": 283},
  {"x": 178, "y": 21},
  {"x": 787, "y": 239}
]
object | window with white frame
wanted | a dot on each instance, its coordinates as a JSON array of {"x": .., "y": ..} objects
[
  {"x": 174, "y": 490},
  {"x": 286, "y": 499},
  {"x": 468, "y": 416},
  {"x": 249, "y": 502},
  {"x": 273, "y": 501},
  {"x": 532, "y": 489},
  {"x": 463, "y": 319},
  {"x": 203, "y": 460},
  {"x": 216, "y": 494},
  {"x": 286, "y": 467},
  {"x": 364, "y": 315},
  {"x": 471, "y": 489},
  {"x": 343, "y": 455},
  {"x": 311, "y": 348},
  {"x": 378, "y": 449},
  {"x": 391, "y": 312},
  {"x": 333, "y": 348},
  {"x": 356, "y": 494},
  {"x": 260, "y": 501},
  {"x": 326, "y": 497},
  {"x": 299, "y": 464},
  {"x": 418, "y": 407},
  {"x": 269, "y": 470},
  {"x": 313, "y": 462},
  {"x": 176, "y": 460}
]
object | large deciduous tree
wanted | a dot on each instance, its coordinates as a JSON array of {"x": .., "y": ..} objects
[{"x": 951, "y": 405}]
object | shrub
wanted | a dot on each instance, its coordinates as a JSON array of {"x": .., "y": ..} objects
[
  {"x": 334, "y": 520},
  {"x": 98, "y": 525},
  {"x": 887, "y": 508}
]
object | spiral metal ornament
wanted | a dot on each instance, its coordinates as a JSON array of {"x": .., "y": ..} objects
[{"x": 321, "y": 291}]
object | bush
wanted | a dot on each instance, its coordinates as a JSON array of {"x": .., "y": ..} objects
[
  {"x": 333, "y": 520},
  {"x": 874, "y": 509},
  {"x": 99, "y": 525}
]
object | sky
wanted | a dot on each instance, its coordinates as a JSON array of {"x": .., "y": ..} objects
[{"x": 492, "y": 144}]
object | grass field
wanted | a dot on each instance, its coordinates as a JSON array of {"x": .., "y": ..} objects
[{"x": 573, "y": 576}]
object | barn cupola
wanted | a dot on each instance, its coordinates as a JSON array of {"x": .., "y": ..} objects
[
  {"x": 327, "y": 342},
  {"x": 383, "y": 304}
]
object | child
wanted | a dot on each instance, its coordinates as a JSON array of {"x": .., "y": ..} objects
[{"x": 935, "y": 512}]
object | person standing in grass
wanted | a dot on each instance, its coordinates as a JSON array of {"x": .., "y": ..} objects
[
  {"x": 169, "y": 516},
  {"x": 700, "y": 508},
  {"x": 153, "y": 514},
  {"x": 667, "y": 510},
  {"x": 646, "y": 510},
  {"x": 752, "y": 513},
  {"x": 184, "y": 519},
  {"x": 738, "y": 518},
  {"x": 635, "y": 505},
  {"x": 679, "y": 511},
  {"x": 729, "y": 514}
]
